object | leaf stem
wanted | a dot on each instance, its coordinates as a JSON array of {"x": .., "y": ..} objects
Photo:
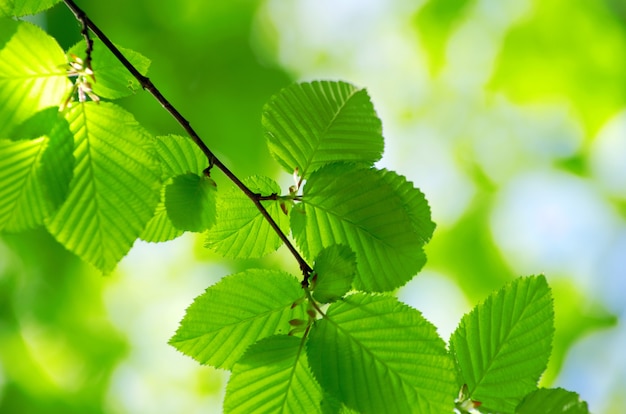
[{"x": 147, "y": 85}]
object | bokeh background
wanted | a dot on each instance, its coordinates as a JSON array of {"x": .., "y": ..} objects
[{"x": 509, "y": 114}]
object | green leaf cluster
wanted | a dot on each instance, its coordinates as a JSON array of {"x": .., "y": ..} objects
[
  {"x": 84, "y": 168},
  {"x": 335, "y": 341}
]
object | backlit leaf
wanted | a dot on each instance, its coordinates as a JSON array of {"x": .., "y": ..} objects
[
  {"x": 112, "y": 79},
  {"x": 236, "y": 312},
  {"x": 32, "y": 73},
  {"x": 375, "y": 213},
  {"x": 312, "y": 124},
  {"x": 178, "y": 156},
  {"x": 552, "y": 401},
  {"x": 24, "y": 7},
  {"x": 190, "y": 202},
  {"x": 334, "y": 271},
  {"x": 502, "y": 346},
  {"x": 241, "y": 231},
  {"x": 378, "y": 355},
  {"x": 34, "y": 176},
  {"x": 273, "y": 376},
  {"x": 115, "y": 187}
]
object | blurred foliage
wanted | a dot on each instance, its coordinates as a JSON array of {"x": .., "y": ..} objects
[
  {"x": 572, "y": 49},
  {"x": 57, "y": 347}
]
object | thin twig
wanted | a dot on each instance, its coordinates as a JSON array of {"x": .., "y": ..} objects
[{"x": 147, "y": 85}]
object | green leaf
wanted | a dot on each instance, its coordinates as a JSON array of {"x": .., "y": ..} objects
[
  {"x": 160, "y": 227},
  {"x": 552, "y": 401},
  {"x": 115, "y": 187},
  {"x": 273, "y": 376},
  {"x": 309, "y": 125},
  {"x": 34, "y": 176},
  {"x": 334, "y": 271},
  {"x": 236, "y": 312},
  {"x": 23, "y": 7},
  {"x": 178, "y": 156},
  {"x": 375, "y": 213},
  {"x": 376, "y": 354},
  {"x": 241, "y": 231},
  {"x": 32, "y": 73},
  {"x": 112, "y": 79},
  {"x": 190, "y": 202},
  {"x": 503, "y": 345}
]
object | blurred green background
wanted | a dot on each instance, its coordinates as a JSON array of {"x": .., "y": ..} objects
[{"x": 510, "y": 115}]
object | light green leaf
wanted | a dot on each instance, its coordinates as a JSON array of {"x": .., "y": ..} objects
[
  {"x": 503, "y": 345},
  {"x": 20, "y": 8},
  {"x": 241, "y": 231},
  {"x": 334, "y": 271},
  {"x": 378, "y": 355},
  {"x": 115, "y": 187},
  {"x": 373, "y": 212},
  {"x": 273, "y": 376},
  {"x": 236, "y": 312},
  {"x": 34, "y": 176},
  {"x": 312, "y": 124},
  {"x": 113, "y": 80},
  {"x": 552, "y": 401},
  {"x": 160, "y": 227},
  {"x": 178, "y": 156},
  {"x": 32, "y": 73},
  {"x": 190, "y": 202}
]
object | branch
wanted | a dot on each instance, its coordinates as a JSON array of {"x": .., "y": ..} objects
[{"x": 147, "y": 85}]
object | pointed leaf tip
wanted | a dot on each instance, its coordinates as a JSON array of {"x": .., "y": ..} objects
[
  {"x": 309, "y": 125},
  {"x": 503, "y": 345}
]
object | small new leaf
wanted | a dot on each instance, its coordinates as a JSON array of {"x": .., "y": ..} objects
[
  {"x": 334, "y": 271},
  {"x": 235, "y": 313},
  {"x": 502, "y": 346},
  {"x": 113, "y": 80}
]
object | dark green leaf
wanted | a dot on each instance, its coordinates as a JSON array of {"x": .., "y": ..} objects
[
  {"x": 190, "y": 202},
  {"x": 503, "y": 345},
  {"x": 334, "y": 271},
  {"x": 378, "y": 355},
  {"x": 309, "y": 125},
  {"x": 273, "y": 376},
  {"x": 235, "y": 313}
]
